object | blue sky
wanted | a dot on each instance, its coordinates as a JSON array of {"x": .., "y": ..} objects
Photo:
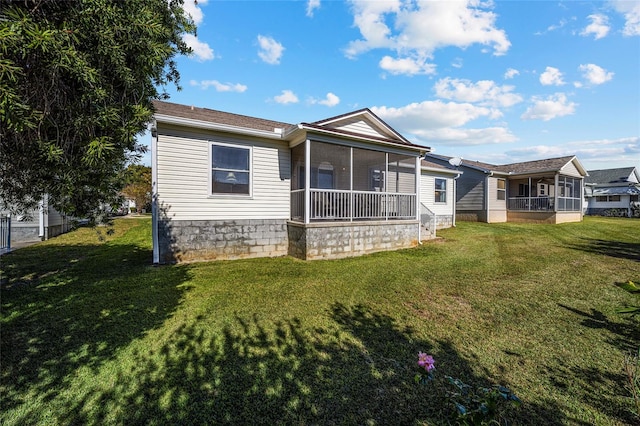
[{"x": 494, "y": 81}]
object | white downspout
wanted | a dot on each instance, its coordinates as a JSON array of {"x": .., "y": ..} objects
[
  {"x": 418, "y": 179},
  {"x": 486, "y": 194},
  {"x": 455, "y": 202},
  {"x": 41, "y": 216},
  {"x": 154, "y": 191}
]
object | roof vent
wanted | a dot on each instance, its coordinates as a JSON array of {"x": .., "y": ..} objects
[
  {"x": 277, "y": 130},
  {"x": 192, "y": 107}
]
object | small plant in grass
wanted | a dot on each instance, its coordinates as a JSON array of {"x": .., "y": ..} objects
[
  {"x": 471, "y": 405},
  {"x": 632, "y": 288}
]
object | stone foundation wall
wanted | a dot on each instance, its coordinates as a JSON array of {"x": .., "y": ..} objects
[
  {"x": 190, "y": 240},
  {"x": 444, "y": 222},
  {"x": 337, "y": 240}
]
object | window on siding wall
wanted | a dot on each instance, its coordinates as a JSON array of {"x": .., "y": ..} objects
[
  {"x": 501, "y": 189},
  {"x": 441, "y": 191},
  {"x": 230, "y": 169}
]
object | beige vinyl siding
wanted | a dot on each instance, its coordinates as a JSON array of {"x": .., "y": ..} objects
[
  {"x": 359, "y": 126},
  {"x": 571, "y": 170},
  {"x": 184, "y": 168},
  {"x": 427, "y": 193},
  {"x": 494, "y": 203},
  {"x": 55, "y": 218}
]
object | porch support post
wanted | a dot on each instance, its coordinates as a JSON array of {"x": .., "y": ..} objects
[
  {"x": 351, "y": 184},
  {"x": 556, "y": 192},
  {"x": 307, "y": 180},
  {"x": 386, "y": 186},
  {"x": 530, "y": 191}
]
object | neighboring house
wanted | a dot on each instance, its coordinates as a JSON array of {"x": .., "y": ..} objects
[
  {"x": 547, "y": 190},
  {"x": 230, "y": 186},
  {"x": 613, "y": 192},
  {"x": 39, "y": 224}
]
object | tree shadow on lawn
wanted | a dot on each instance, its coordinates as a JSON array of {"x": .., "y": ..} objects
[
  {"x": 69, "y": 307},
  {"x": 617, "y": 249},
  {"x": 359, "y": 371},
  {"x": 625, "y": 332}
]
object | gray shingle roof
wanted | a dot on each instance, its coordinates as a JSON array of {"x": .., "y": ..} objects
[
  {"x": 609, "y": 176},
  {"x": 214, "y": 116},
  {"x": 549, "y": 164}
]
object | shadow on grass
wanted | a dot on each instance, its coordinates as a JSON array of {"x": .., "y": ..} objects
[
  {"x": 617, "y": 249},
  {"x": 625, "y": 331},
  {"x": 257, "y": 372},
  {"x": 70, "y": 307}
]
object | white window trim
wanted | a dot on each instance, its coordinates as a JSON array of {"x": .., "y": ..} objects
[
  {"x": 210, "y": 174},
  {"x": 446, "y": 190}
]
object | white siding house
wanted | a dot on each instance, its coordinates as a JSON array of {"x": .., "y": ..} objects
[
  {"x": 228, "y": 186},
  {"x": 613, "y": 192}
]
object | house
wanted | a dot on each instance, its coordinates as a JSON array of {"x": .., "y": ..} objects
[
  {"x": 547, "y": 190},
  {"x": 41, "y": 223},
  {"x": 613, "y": 192},
  {"x": 230, "y": 186}
]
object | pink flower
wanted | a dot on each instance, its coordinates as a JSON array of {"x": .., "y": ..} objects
[{"x": 426, "y": 361}]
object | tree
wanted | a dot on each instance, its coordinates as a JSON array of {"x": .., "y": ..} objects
[
  {"x": 77, "y": 78},
  {"x": 138, "y": 186}
]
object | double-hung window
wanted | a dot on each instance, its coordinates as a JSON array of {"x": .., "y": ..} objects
[
  {"x": 441, "y": 191},
  {"x": 230, "y": 170},
  {"x": 501, "y": 189}
]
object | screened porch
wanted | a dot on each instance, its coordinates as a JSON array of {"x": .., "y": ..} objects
[
  {"x": 554, "y": 193},
  {"x": 331, "y": 182}
]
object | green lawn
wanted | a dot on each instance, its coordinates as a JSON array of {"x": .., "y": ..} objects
[{"x": 92, "y": 333}]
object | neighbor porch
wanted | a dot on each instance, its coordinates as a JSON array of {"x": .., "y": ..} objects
[{"x": 551, "y": 198}]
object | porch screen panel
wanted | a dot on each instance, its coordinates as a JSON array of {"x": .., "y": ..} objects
[
  {"x": 568, "y": 194},
  {"x": 402, "y": 174},
  {"x": 297, "y": 167},
  {"x": 368, "y": 170},
  {"x": 330, "y": 166}
]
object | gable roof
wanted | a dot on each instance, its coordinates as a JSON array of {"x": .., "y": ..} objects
[
  {"x": 425, "y": 164},
  {"x": 621, "y": 176},
  {"x": 362, "y": 124},
  {"x": 525, "y": 167}
]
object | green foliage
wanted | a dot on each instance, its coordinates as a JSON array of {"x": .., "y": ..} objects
[
  {"x": 76, "y": 83},
  {"x": 138, "y": 187}
]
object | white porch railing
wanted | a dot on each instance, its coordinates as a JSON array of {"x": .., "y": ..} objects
[
  {"x": 531, "y": 203},
  {"x": 330, "y": 204}
]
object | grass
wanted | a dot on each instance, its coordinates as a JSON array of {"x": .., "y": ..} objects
[{"x": 92, "y": 333}]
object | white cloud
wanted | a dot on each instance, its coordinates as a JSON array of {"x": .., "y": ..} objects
[
  {"x": 599, "y": 26},
  {"x": 201, "y": 50},
  {"x": 192, "y": 8},
  {"x": 484, "y": 92},
  {"x": 406, "y": 66},
  {"x": 270, "y": 50},
  {"x": 510, "y": 73},
  {"x": 595, "y": 74},
  {"x": 286, "y": 97},
  {"x": 220, "y": 87},
  {"x": 431, "y": 115},
  {"x": 553, "y": 106},
  {"x": 599, "y": 151},
  {"x": 330, "y": 100},
  {"x": 631, "y": 12},
  {"x": 419, "y": 28},
  {"x": 467, "y": 137},
  {"x": 551, "y": 76},
  {"x": 311, "y": 6},
  {"x": 457, "y": 63}
]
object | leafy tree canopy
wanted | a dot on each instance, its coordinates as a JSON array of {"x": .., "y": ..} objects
[
  {"x": 77, "y": 78},
  {"x": 138, "y": 185}
]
